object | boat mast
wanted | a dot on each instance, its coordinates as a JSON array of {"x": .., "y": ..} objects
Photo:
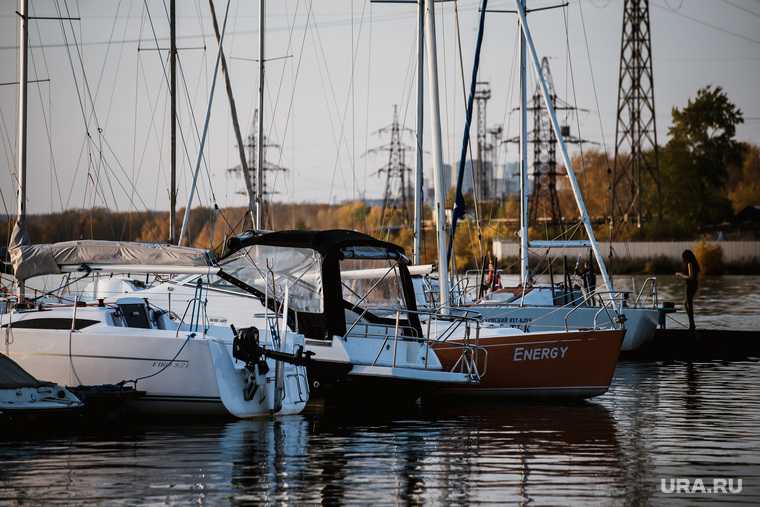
[
  {"x": 585, "y": 219},
  {"x": 435, "y": 124},
  {"x": 173, "y": 136},
  {"x": 235, "y": 123},
  {"x": 191, "y": 196},
  {"x": 260, "y": 141},
  {"x": 524, "y": 253},
  {"x": 23, "y": 48},
  {"x": 418, "y": 183}
]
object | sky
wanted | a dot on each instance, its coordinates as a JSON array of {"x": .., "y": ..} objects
[{"x": 98, "y": 130}]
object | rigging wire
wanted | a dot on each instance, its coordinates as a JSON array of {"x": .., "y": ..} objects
[
  {"x": 469, "y": 145},
  {"x": 366, "y": 114},
  {"x": 319, "y": 53},
  {"x": 346, "y": 105},
  {"x": 166, "y": 80},
  {"x": 447, "y": 119},
  {"x": 593, "y": 86},
  {"x": 83, "y": 107},
  {"x": 151, "y": 133},
  {"x": 575, "y": 95},
  {"x": 197, "y": 132},
  {"x": 276, "y": 104},
  {"x": 295, "y": 79},
  {"x": 352, "y": 88},
  {"x": 507, "y": 117},
  {"x": 8, "y": 148},
  {"x": 48, "y": 131}
]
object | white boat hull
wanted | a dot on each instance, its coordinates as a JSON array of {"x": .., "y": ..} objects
[
  {"x": 187, "y": 385},
  {"x": 640, "y": 323}
]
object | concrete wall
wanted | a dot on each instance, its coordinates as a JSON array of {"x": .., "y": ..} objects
[{"x": 732, "y": 250}]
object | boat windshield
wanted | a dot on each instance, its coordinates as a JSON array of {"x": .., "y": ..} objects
[
  {"x": 374, "y": 285},
  {"x": 274, "y": 269}
]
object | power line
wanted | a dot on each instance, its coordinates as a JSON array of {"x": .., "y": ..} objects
[
  {"x": 757, "y": 15},
  {"x": 709, "y": 25}
]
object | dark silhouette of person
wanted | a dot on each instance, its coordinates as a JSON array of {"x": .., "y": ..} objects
[
  {"x": 589, "y": 280},
  {"x": 691, "y": 276},
  {"x": 492, "y": 279}
]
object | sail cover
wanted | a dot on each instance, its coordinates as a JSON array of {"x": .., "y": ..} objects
[{"x": 46, "y": 259}]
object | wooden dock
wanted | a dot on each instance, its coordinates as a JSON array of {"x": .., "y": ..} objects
[{"x": 699, "y": 345}]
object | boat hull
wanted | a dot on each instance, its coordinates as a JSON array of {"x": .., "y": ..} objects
[
  {"x": 174, "y": 384},
  {"x": 576, "y": 364},
  {"x": 640, "y": 323}
]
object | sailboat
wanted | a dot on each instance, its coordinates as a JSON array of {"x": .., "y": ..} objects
[
  {"x": 183, "y": 364},
  {"x": 362, "y": 332},
  {"x": 571, "y": 363},
  {"x": 355, "y": 334},
  {"x": 530, "y": 306}
]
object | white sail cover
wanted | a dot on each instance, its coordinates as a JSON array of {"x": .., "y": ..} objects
[{"x": 46, "y": 259}]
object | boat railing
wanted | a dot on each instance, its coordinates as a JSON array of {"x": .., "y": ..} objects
[
  {"x": 455, "y": 318},
  {"x": 652, "y": 296},
  {"x": 573, "y": 305},
  {"x": 471, "y": 356},
  {"x": 198, "y": 314},
  {"x": 606, "y": 303},
  {"x": 458, "y": 293}
]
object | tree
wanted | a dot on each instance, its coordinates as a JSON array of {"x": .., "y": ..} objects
[
  {"x": 744, "y": 182},
  {"x": 695, "y": 164}
]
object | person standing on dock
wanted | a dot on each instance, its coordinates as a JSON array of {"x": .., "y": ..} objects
[{"x": 691, "y": 276}]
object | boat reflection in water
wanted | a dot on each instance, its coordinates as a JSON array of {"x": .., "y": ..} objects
[
  {"x": 658, "y": 421},
  {"x": 519, "y": 453}
]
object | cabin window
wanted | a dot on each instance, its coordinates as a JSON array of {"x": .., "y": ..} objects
[
  {"x": 51, "y": 323},
  {"x": 135, "y": 315},
  {"x": 273, "y": 270},
  {"x": 375, "y": 285}
]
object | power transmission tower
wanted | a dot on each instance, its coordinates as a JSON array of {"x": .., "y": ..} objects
[
  {"x": 249, "y": 177},
  {"x": 544, "y": 195},
  {"x": 398, "y": 190},
  {"x": 636, "y": 130},
  {"x": 497, "y": 135},
  {"x": 483, "y": 173}
]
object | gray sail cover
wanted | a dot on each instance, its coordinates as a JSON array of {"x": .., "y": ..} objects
[{"x": 46, "y": 259}]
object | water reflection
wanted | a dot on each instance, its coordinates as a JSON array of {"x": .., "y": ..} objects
[{"x": 658, "y": 421}]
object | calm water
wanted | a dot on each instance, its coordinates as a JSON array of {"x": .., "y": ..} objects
[{"x": 659, "y": 421}]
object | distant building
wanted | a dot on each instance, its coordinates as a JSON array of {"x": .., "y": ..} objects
[{"x": 505, "y": 180}]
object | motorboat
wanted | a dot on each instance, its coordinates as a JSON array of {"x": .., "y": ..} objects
[
  {"x": 25, "y": 399},
  {"x": 183, "y": 363}
]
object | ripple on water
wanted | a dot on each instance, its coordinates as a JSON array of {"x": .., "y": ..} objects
[{"x": 658, "y": 421}]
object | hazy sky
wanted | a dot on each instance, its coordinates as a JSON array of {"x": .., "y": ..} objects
[{"x": 322, "y": 118}]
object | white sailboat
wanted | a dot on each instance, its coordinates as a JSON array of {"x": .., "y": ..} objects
[
  {"x": 530, "y": 306},
  {"x": 362, "y": 333},
  {"x": 183, "y": 363}
]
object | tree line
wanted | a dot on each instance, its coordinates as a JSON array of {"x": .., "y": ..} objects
[{"x": 706, "y": 176}]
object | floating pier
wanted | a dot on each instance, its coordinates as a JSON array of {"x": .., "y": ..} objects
[{"x": 698, "y": 345}]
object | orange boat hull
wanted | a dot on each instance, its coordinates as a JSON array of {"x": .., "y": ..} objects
[{"x": 576, "y": 364}]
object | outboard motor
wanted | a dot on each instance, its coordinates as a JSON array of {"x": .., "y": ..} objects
[{"x": 246, "y": 348}]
